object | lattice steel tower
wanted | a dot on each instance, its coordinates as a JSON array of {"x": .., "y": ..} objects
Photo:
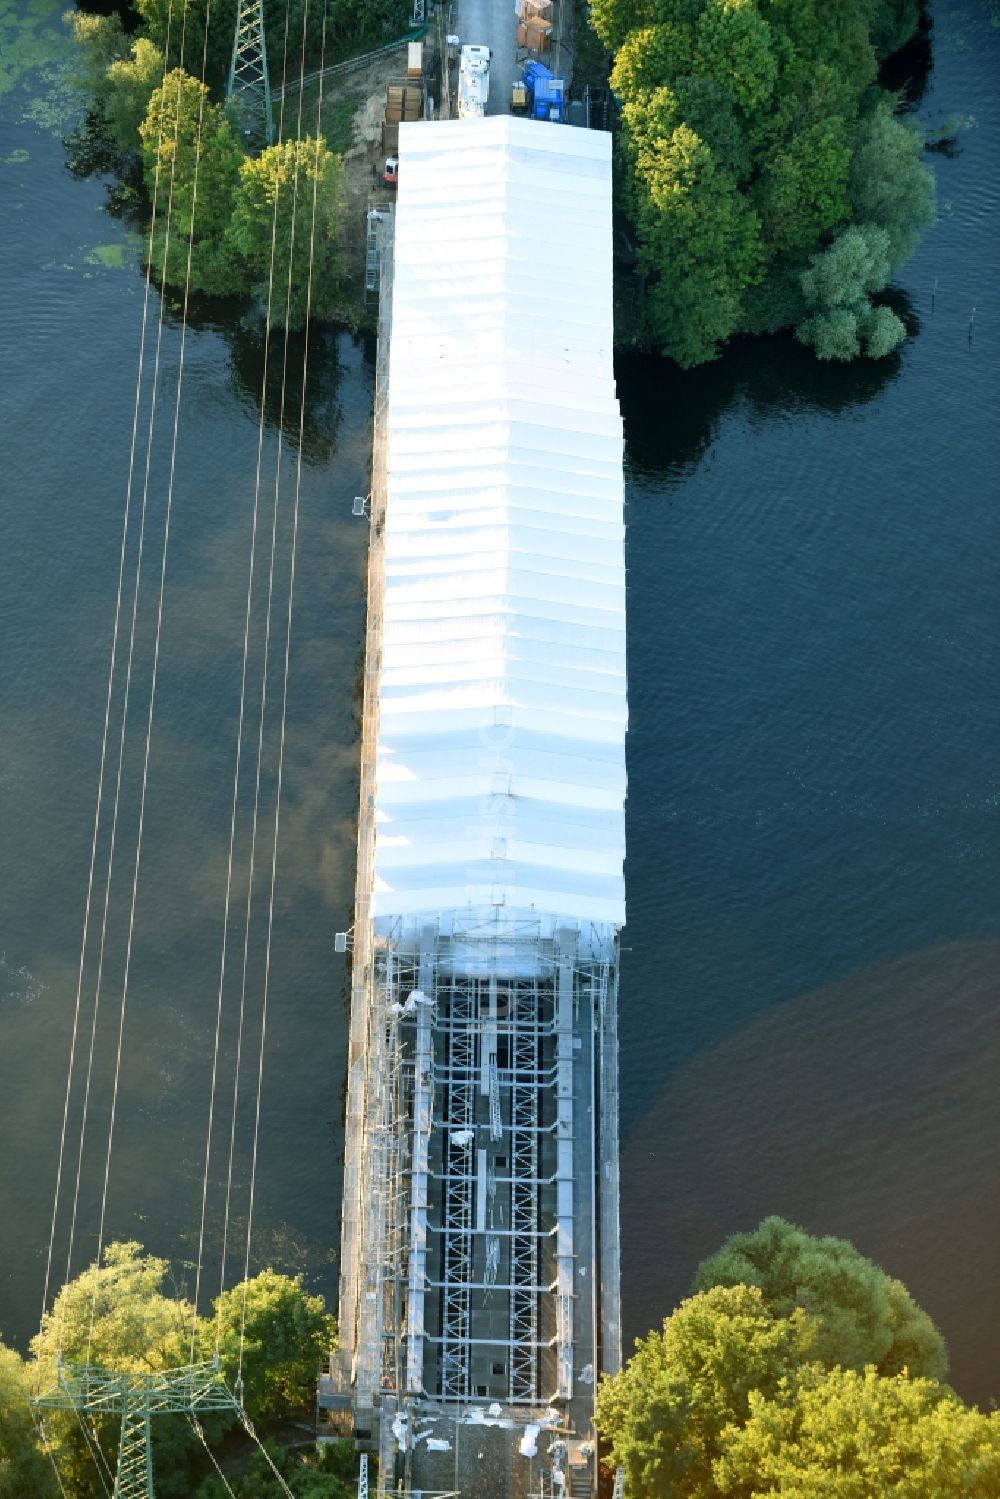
[
  {"x": 249, "y": 91},
  {"x": 136, "y": 1398}
]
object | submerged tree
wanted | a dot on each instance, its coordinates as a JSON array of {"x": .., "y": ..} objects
[
  {"x": 285, "y": 226},
  {"x": 191, "y": 162}
]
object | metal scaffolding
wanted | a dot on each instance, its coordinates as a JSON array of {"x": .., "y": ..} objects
[
  {"x": 459, "y": 1045},
  {"x": 524, "y": 1056}
]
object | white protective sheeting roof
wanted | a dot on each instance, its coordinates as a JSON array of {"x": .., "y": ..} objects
[{"x": 502, "y": 707}]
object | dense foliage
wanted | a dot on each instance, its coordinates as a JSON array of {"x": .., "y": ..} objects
[
  {"x": 331, "y": 1473},
  {"x": 24, "y": 1469},
  {"x": 859, "y": 1315},
  {"x": 754, "y": 137},
  {"x": 220, "y": 222},
  {"x": 292, "y": 27},
  {"x": 845, "y": 1434},
  {"x": 798, "y": 1367},
  {"x": 119, "y": 1315}
]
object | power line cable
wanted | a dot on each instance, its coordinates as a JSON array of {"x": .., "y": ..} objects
[
  {"x": 257, "y": 486},
  {"x": 168, "y": 509},
  {"x": 277, "y": 808},
  {"x": 43, "y": 1438},
  {"x": 200, "y": 1433},
  {"x": 103, "y": 759}
]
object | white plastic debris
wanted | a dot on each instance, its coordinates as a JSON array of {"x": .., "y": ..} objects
[
  {"x": 418, "y": 1436},
  {"x": 494, "y": 1409},
  {"x": 438, "y": 1444},
  {"x": 529, "y": 1442},
  {"x": 462, "y": 1137},
  {"x": 587, "y": 1374}
]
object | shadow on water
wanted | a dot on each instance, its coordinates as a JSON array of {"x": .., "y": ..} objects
[
  {"x": 898, "y": 1062},
  {"x": 672, "y": 415},
  {"x": 909, "y": 71}
]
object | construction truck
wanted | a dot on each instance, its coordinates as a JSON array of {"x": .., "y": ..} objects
[{"x": 473, "y": 82}]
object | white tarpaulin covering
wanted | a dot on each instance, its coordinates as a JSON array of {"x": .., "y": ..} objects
[{"x": 502, "y": 709}]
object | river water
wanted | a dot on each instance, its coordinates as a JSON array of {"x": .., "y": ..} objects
[{"x": 808, "y": 997}]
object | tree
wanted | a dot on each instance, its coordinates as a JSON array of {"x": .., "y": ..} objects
[
  {"x": 691, "y": 216},
  {"x": 843, "y": 1434},
  {"x": 276, "y": 1334},
  {"x": 118, "y": 1316},
  {"x": 101, "y": 41},
  {"x": 889, "y": 184},
  {"x": 285, "y": 225},
  {"x": 24, "y": 1469},
  {"x": 752, "y": 129},
  {"x": 859, "y": 1314},
  {"x": 177, "y": 28},
  {"x": 665, "y": 1413},
  {"x": 331, "y": 1473},
  {"x": 191, "y": 162},
  {"x": 128, "y": 88}
]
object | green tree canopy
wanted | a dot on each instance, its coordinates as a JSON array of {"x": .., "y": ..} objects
[
  {"x": 665, "y": 1413},
  {"x": 24, "y": 1469},
  {"x": 128, "y": 88},
  {"x": 119, "y": 1316},
  {"x": 285, "y": 226},
  {"x": 191, "y": 162},
  {"x": 331, "y": 1473},
  {"x": 286, "y": 1337},
  {"x": 100, "y": 40},
  {"x": 764, "y": 1383},
  {"x": 844, "y": 1435},
  {"x": 860, "y": 1314},
  {"x": 126, "y": 1315},
  {"x": 752, "y": 136},
  {"x": 889, "y": 185}
]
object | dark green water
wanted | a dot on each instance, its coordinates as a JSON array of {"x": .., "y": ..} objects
[{"x": 808, "y": 992}]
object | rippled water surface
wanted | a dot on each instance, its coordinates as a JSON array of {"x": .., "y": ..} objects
[{"x": 808, "y": 1003}]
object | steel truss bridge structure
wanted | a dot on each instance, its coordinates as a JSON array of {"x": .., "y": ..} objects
[{"x": 485, "y": 1270}]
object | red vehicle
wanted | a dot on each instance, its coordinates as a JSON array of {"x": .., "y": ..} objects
[{"x": 390, "y": 175}]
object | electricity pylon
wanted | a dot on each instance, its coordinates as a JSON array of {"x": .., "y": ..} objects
[
  {"x": 249, "y": 91},
  {"x": 92, "y": 1391}
]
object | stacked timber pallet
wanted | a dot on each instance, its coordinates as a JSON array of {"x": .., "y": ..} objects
[
  {"x": 403, "y": 101},
  {"x": 534, "y": 25}
]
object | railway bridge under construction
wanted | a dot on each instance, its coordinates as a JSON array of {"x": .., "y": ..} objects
[{"x": 480, "y": 1250}]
